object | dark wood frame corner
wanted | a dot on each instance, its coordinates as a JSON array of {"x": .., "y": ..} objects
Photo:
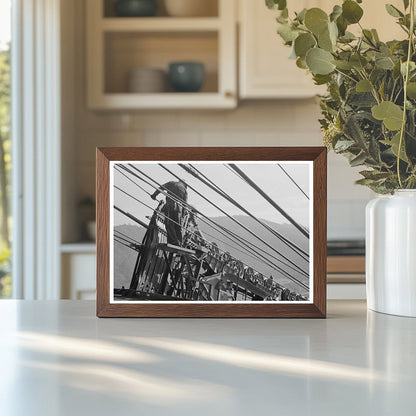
[{"x": 317, "y": 309}]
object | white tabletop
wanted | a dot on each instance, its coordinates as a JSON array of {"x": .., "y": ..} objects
[{"x": 57, "y": 358}]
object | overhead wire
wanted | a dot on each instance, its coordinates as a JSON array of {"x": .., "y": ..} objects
[
  {"x": 235, "y": 236},
  {"x": 292, "y": 180},
  {"x": 284, "y": 272},
  {"x": 243, "y": 226},
  {"x": 242, "y": 243},
  {"x": 270, "y": 200},
  {"x": 236, "y": 221},
  {"x": 299, "y": 251}
]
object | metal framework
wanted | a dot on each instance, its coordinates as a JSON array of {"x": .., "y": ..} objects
[{"x": 196, "y": 270}]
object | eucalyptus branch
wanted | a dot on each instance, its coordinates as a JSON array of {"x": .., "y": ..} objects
[
  {"x": 346, "y": 75},
  {"x": 406, "y": 80},
  {"x": 373, "y": 88}
]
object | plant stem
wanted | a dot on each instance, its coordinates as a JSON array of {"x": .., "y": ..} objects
[
  {"x": 346, "y": 75},
  {"x": 406, "y": 80}
]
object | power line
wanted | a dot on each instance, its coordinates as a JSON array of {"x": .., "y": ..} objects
[
  {"x": 268, "y": 199},
  {"x": 218, "y": 228},
  {"x": 229, "y": 199},
  {"x": 235, "y": 236},
  {"x": 283, "y": 239},
  {"x": 293, "y": 181},
  {"x": 144, "y": 204},
  {"x": 241, "y": 225}
]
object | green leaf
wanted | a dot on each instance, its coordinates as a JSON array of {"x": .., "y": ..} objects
[
  {"x": 333, "y": 32},
  {"x": 301, "y": 15},
  {"x": 276, "y": 4},
  {"x": 394, "y": 145},
  {"x": 347, "y": 37},
  {"x": 342, "y": 25},
  {"x": 375, "y": 35},
  {"x": 411, "y": 90},
  {"x": 406, "y": 4},
  {"x": 303, "y": 43},
  {"x": 358, "y": 61},
  {"x": 365, "y": 182},
  {"x": 301, "y": 63},
  {"x": 393, "y": 11},
  {"x": 320, "y": 61},
  {"x": 363, "y": 86},
  {"x": 412, "y": 67},
  {"x": 287, "y": 33},
  {"x": 354, "y": 132},
  {"x": 374, "y": 174},
  {"x": 325, "y": 42},
  {"x": 358, "y": 160},
  {"x": 388, "y": 112},
  {"x": 321, "y": 79},
  {"x": 343, "y": 145},
  {"x": 316, "y": 20},
  {"x": 336, "y": 12},
  {"x": 351, "y": 11},
  {"x": 368, "y": 36},
  {"x": 384, "y": 62},
  {"x": 344, "y": 65}
]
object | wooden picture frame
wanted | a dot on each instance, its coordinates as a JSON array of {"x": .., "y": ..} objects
[{"x": 122, "y": 302}]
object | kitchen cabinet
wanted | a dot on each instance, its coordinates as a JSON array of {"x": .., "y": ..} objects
[
  {"x": 118, "y": 45},
  {"x": 78, "y": 262},
  {"x": 265, "y": 69}
]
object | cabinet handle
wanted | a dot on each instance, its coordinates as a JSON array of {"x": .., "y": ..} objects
[{"x": 229, "y": 94}]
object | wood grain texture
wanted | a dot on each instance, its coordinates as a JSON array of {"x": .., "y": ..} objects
[
  {"x": 317, "y": 309},
  {"x": 346, "y": 264}
]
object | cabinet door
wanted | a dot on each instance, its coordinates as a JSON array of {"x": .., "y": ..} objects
[
  {"x": 265, "y": 68},
  {"x": 78, "y": 276}
]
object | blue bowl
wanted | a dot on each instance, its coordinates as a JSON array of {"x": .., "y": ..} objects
[
  {"x": 135, "y": 8},
  {"x": 187, "y": 76}
]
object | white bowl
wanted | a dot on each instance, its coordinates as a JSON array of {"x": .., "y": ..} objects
[
  {"x": 147, "y": 80},
  {"x": 191, "y": 8}
]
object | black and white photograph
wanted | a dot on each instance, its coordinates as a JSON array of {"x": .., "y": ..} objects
[{"x": 211, "y": 231}]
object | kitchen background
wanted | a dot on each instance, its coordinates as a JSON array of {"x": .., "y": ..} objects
[{"x": 287, "y": 117}]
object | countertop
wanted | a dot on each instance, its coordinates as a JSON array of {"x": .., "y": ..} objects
[{"x": 57, "y": 358}]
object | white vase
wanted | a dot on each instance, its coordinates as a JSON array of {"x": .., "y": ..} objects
[{"x": 391, "y": 253}]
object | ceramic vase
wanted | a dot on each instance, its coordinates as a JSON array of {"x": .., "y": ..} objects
[{"x": 391, "y": 253}]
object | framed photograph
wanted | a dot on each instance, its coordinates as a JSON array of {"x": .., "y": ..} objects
[{"x": 211, "y": 232}]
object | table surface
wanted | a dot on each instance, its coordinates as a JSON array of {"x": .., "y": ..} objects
[{"x": 57, "y": 358}]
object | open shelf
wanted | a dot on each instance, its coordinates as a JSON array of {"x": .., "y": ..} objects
[
  {"x": 160, "y": 24},
  {"x": 126, "y": 51},
  {"x": 167, "y": 100},
  {"x": 119, "y": 45},
  {"x": 85, "y": 247},
  {"x": 210, "y": 7}
]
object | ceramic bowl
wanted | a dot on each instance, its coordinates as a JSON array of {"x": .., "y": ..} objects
[
  {"x": 135, "y": 8},
  {"x": 191, "y": 8},
  {"x": 186, "y": 76},
  {"x": 147, "y": 80}
]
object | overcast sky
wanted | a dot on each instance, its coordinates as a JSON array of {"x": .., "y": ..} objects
[{"x": 268, "y": 176}]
